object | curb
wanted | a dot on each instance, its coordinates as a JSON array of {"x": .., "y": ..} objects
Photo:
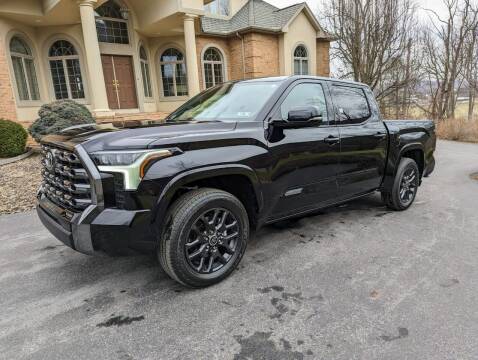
[{"x": 16, "y": 158}]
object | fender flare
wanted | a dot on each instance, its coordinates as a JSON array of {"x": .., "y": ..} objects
[
  {"x": 164, "y": 199},
  {"x": 408, "y": 147}
]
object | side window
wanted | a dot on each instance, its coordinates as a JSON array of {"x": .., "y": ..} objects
[
  {"x": 351, "y": 104},
  {"x": 304, "y": 95}
]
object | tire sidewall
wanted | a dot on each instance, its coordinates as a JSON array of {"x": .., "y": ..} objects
[
  {"x": 405, "y": 164},
  {"x": 179, "y": 237}
]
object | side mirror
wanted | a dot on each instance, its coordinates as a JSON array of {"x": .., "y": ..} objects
[{"x": 303, "y": 114}]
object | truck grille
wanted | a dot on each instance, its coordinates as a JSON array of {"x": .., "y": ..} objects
[{"x": 65, "y": 181}]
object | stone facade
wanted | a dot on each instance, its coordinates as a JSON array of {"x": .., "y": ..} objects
[
  {"x": 323, "y": 58},
  {"x": 7, "y": 99}
]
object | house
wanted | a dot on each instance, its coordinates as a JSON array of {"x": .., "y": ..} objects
[{"x": 146, "y": 56}]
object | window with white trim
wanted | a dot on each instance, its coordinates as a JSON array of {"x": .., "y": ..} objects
[
  {"x": 23, "y": 64},
  {"x": 301, "y": 61},
  {"x": 66, "y": 71},
  {"x": 173, "y": 73},
  {"x": 112, "y": 23},
  {"x": 218, "y": 7},
  {"x": 213, "y": 64},
  {"x": 143, "y": 59}
]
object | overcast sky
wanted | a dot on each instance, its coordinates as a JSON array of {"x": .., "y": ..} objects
[{"x": 315, "y": 5}]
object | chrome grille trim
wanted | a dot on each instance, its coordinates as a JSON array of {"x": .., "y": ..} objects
[{"x": 65, "y": 180}]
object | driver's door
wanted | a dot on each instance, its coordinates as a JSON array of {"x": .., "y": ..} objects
[{"x": 305, "y": 160}]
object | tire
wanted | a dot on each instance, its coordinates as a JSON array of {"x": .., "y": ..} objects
[
  {"x": 407, "y": 180},
  {"x": 201, "y": 225}
]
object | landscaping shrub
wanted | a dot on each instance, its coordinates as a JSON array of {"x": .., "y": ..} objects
[
  {"x": 59, "y": 115},
  {"x": 13, "y": 138},
  {"x": 458, "y": 130}
]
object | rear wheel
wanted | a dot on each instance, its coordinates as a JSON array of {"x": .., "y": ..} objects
[
  {"x": 405, "y": 186},
  {"x": 205, "y": 237}
]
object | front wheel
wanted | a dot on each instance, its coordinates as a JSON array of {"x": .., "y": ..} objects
[
  {"x": 405, "y": 186},
  {"x": 205, "y": 237}
]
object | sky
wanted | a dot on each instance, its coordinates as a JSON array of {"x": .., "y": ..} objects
[{"x": 315, "y": 5}]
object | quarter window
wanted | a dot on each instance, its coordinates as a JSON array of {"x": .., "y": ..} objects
[
  {"x": 301, "y": 61},
  {"x": 66, "y": 71},
  {"x": 173, "y": 73},
  {"x": 143, "y": 58},
  {"x": 24, "y": 70},
  {"x": 351, "y": 104},
  {"x": 112, "y": 23},
  {"x": 213, "y": 67},
  {"x": 306, "y": 94}
]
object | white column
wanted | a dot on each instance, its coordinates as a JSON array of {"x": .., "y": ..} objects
[
  {"x": 99, "y": 99},
  {"x": 191, "y": 55}
]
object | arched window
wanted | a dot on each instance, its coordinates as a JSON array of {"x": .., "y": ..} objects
[
  {"x": 112, "y": 23},
  {"x": 143, "y": 58},
  {"x": 24, "y": 70},
  {"x": 301, "y": 61},
  {"x": 65, "y": 71},
  {"x": 213, "y": 67},
  {"x": 173, "y": 73}
]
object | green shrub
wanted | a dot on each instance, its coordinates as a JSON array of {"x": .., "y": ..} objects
[
  {"x": 59, "y": 115},
  {"x": 13, "y": 138}
]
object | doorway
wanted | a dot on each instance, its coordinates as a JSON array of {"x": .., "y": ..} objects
[{"x": 120, "y": 81}]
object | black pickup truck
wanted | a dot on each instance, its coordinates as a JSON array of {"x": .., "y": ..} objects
[{"x": 233, "y": 158}]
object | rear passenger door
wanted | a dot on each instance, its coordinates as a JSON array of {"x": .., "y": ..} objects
[{"x": 363, "y": 140}]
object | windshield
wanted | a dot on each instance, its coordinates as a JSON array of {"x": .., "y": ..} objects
[{"x": 227, "y": 102}]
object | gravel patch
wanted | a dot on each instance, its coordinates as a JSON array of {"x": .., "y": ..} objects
[{"x": 19, "y": 183}]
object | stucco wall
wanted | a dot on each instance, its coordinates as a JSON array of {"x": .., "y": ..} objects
[{"x": 300, "y": 31}]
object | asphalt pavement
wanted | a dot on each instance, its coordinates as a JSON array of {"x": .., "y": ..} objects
[{"x": 353, "y": 282}]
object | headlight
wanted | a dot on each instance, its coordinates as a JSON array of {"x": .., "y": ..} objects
[
  {"x": 115, "y": 158},
  {"x": 131, "y": 164}
]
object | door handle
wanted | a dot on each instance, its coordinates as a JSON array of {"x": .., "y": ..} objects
[
  {"x": 331, "y": 140},
  {"x": 380, "y": 135}
]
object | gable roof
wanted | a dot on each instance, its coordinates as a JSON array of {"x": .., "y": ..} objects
[{"x": 259, "y": 15}]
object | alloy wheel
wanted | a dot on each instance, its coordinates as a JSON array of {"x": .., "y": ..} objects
[{"x": 212, "y": 241}]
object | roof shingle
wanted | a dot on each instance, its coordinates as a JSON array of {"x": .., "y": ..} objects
[{"x": 255, "y": 14}]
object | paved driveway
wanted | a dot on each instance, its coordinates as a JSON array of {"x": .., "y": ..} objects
[{"x": 356, "y": 282}]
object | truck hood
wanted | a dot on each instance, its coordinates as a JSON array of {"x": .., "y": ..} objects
[{"x": 140, "y": 136}]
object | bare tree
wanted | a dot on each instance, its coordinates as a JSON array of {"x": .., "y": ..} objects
[
  {"x": 374, "y": 39},
  {"x": 446, "y": 44}
]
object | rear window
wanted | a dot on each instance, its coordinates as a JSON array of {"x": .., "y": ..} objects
[{"x": 351, "y": 104}]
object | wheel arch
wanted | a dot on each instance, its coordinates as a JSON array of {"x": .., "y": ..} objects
[
  {"x": 231, "y": 178},
  {"x": 415, "y": 152}
]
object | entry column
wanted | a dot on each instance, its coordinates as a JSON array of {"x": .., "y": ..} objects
[
  {"x": 98, "y": 97},
  {"x": 191, "y": 55}
]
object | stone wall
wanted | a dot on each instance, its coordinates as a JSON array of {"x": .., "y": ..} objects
[
  {"x": 7, "y": 99},
  {"x": 323, "y": 58}
]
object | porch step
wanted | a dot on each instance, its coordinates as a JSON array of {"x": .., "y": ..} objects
[{"x": 131, "y": 119}]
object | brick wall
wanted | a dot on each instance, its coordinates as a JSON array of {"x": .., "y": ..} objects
[
  {"x": 323, "y": 58},
  {"x": 262, "y": 55},
  {"x": 7, "y": 99},
  {"x": 201, "y": 42}
]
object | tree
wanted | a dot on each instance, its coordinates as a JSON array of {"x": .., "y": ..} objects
[
  {"x": 448, "y": 45},
  {"x": 374, "y": 42}
]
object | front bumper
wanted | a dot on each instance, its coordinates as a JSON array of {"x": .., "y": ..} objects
[
  {"x": 95, "y": 231},
  {"x": 96, "y": 228}
]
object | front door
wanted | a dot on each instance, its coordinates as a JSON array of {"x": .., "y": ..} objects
[
  {"x": 305, "y": 160},
  {"x": 120, "y": 81}
]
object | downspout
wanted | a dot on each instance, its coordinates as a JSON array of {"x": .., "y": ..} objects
[{"x": 243, "y": 56}]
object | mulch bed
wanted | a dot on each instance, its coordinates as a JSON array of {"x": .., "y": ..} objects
[{"x": 19, "y": 182}]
